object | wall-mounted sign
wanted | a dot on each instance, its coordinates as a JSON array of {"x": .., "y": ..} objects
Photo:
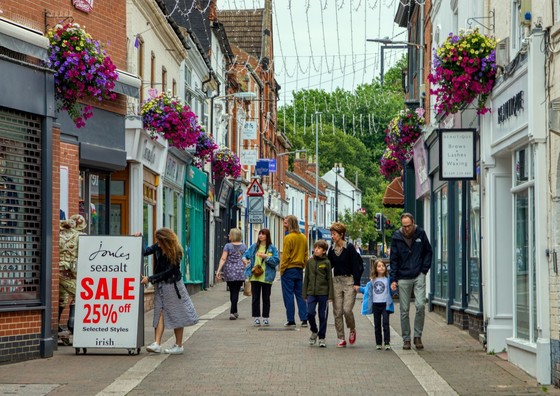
[
  {"x": 83, "y": 5},
  {"x": 249, "y": 130},
  {"x": 457, "y": 154},
  {"x": 512, "y": 107}
]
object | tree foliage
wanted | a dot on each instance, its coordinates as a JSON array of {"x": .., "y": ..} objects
[{"x": 351, "y": 130}]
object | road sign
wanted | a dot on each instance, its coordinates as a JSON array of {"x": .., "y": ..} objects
[
  {"x": 255, "y": 189},
  {"x": 255, "y": 206}
]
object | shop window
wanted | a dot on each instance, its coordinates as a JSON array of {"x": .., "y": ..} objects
[
  {"x": 524, "y": 242},
  {"x": 459, "y": 239},
  {"x": 473, "y": 245},
  {"x": 440, "y": 244}
]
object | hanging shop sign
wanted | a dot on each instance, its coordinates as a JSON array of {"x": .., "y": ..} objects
[
  {"x": 457, "y": 154},
  {"x": 248, "y": 157},
  {"x": 249, "y": 130}
]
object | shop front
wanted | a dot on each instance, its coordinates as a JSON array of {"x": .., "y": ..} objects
[
  {"x": 196, "y": 231},
  {"x": 28, "y": 148},
  {"x": 515, "y": 227},
  {"x": 455, "y": 289},
  {"x": 146, "y": 165}
]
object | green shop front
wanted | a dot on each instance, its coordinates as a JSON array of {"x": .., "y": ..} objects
[{"x": 196, "y": 191}]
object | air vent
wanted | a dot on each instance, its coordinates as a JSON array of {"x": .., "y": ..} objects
[{"x": 502, "y": 52}]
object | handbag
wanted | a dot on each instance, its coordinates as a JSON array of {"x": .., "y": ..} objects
[
  {"x": 246, "y": 288},
  {"x": 257, "y": 270}
]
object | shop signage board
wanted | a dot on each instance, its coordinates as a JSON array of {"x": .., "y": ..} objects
[
  {"x": 109, "y": 296},
  {"x": 457, "y": 149},
  {"x": 249, "y": 130}
]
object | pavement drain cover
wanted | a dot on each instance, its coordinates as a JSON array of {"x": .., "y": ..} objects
[{"x": 278, "y": 329}]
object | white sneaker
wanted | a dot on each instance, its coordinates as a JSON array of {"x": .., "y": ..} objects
[
  {"x": 257, "y": 322},
  {"x": 313, "y": 339},
  {"x": 265, "y": 322},
  {"x": 174, "y": 350},
  {"x": 154, "y": 347}
]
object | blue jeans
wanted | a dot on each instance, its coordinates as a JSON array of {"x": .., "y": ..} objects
[
  {"x": 292, "y": 283},
  {"x": 406, "y": 287},
  {"x": 323, "y": 302}
]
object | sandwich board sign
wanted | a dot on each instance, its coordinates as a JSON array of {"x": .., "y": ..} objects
[{"x": 109, "y": 296}]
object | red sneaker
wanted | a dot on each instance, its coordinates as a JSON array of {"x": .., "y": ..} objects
[
  {"x": 341, "y": 343},
  {"x": 352, "y": 337}
]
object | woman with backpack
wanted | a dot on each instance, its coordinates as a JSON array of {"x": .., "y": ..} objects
[{"x": 233, "y": 268}]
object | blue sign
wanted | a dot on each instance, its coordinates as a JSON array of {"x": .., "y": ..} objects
[
  {"x": 272, "y": 165},
  {"x": 262, "y": 168}
]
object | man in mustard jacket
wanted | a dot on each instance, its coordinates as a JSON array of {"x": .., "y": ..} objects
[{"x": 292, "y": 264}]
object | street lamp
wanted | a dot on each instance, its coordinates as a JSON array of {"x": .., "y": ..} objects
[
  {"x": 317, "y": 175},
  {"x": 337, "y": 167},
  {"x": 390, "y": 44}
]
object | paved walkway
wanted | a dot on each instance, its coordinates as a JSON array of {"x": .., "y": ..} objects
[{"x": 224, "y": 357}]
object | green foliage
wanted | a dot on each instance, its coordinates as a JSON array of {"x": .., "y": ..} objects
[
  {"x": 351, "y": 127},
  {"x": 358, "y": 226}
]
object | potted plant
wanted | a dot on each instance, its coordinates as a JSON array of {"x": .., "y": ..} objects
[
  {"x": 82, "y": 70},
  {"x": 464, "y": 70},
  {"x": 226, "y": 163},
  {"x": 205, "y": 147},
  {"x": 403, "y": 130},
  {"x": 167, "y": 116}
]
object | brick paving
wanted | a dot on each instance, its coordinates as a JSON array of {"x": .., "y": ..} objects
[{"x": 224, "y": 357}]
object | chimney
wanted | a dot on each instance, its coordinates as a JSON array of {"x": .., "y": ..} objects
[
  {"x": 311, "y": 166},
  {"x": 300, "y": 164}
]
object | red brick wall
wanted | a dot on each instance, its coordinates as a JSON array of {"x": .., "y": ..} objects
[
  {"x": 19, "y": 323},
  {"x": 105, "y": 23}
]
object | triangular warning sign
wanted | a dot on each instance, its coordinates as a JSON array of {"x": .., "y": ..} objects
[{"x": 255, "y": 189}]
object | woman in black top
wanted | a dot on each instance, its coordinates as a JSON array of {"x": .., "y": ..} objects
[
  {"x": 347, "y": 271},
  {"x": 173, "y": 307}
]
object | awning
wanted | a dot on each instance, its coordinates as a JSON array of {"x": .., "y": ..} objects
[
  {"x": 324, "y": 234},
  {"x": 394, "y": 195}
]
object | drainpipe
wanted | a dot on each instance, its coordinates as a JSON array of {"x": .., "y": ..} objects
[{"x": 421, "y": 57}]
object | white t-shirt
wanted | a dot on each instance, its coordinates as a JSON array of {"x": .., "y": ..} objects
[{"x": 380, "y": 290}]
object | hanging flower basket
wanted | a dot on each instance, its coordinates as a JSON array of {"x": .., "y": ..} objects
[
  {"x": 226, "y": 163},
  {"x": 464, "y": 70},
  {"x": 82, "y": 70},
  {"x": 390, "y": 166},
  {"x": 169, "y": 117},
  {"x": 403, "y": 131},
  {"x": 205, "y": 147}
]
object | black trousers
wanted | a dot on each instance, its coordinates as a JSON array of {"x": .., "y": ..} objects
[
  {"x": 258, "y": 289},
  {"x": 234, "y": 289},
  {"x": 380, "y": 313}
]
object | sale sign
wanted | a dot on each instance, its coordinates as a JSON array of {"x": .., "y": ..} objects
[{"x": 108, "y": 292}]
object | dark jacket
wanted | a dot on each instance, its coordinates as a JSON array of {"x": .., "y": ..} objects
[
  {"x": 164, "y": 270},
  {"x": 318, "y": 279},
  {"x": 349, "y": 263},
  {"x": 408, "y": 263}
]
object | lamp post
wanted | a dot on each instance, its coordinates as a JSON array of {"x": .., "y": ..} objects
[
  {"x": 336, "y": 172},
  {"x": 390, "y": 44},
  {"x": 317, "y": 175}
]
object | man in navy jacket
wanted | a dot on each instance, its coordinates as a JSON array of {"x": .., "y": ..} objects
[{"x": 411, "y": 259}]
